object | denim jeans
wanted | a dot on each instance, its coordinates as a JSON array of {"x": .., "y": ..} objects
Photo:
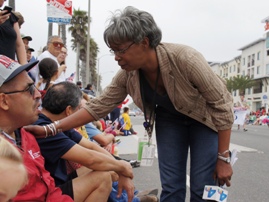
[{"x": 176, "y": 135}]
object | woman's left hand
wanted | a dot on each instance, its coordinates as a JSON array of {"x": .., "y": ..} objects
[{"x": 223, "y": 173}]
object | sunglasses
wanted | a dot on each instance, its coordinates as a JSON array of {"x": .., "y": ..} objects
[
  {"x": 31, "y": 88},
  {"x": 57, "y": 44}
]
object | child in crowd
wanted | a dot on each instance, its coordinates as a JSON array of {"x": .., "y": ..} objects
[
  {"x": 48, "y": 69},
  {"x": 127, "y": 121}
]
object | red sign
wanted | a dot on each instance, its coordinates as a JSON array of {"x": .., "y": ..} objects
[{"x": 63, "y": 5}]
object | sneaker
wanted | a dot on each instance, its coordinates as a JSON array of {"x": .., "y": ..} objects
[
  {"x": 148, "y": 198},
  {"x": 147, "y": 192},
  {"x": 134, "y": 163},
  {"x": 245, "y": 129}
]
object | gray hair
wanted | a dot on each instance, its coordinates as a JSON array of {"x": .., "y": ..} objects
[
  {"x": 134, "y": 25},
  {"x": 50, "y": 39}
]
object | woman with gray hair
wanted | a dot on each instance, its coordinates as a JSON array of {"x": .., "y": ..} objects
[{"x": 174, "y": 85}]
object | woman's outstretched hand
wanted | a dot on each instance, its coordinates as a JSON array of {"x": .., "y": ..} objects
[{"x": 37, "y": 131}]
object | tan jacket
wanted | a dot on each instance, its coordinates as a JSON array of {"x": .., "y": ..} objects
[{"x": 193, "y": 88}]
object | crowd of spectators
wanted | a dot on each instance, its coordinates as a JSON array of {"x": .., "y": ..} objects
[{"x": 259, "y": 117}]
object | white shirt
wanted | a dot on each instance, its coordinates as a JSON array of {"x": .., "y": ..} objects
[{"x": 35, "y": 70}]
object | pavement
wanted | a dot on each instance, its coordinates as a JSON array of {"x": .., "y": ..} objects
[{"x": 147, "y": 177}]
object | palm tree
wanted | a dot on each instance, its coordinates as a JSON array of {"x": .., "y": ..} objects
[
  {"x": 229, "y": 84},
  {"x": 78, "y": 29},
  {"x": 240, "y": 83}
]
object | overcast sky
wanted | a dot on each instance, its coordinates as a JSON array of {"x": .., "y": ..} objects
[{"x": 216, "y": 28}]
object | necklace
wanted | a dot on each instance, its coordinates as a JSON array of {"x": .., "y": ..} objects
[{"x": 149, "y": 123}]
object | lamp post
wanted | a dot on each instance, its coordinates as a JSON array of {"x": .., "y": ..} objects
[
  {"x": 88, "y": 45},
  {"x": 98, "y": 69}
]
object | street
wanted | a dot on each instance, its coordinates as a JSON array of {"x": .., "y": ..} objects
[{"x": 250, "y": 180}]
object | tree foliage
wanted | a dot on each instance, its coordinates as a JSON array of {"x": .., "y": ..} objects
[
  {"x": 79, "y": 32},
  {"x": 240, "y": 83}
]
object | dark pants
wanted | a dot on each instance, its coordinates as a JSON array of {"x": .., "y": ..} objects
[
  {"x": 177, "y": 135},
  {"x": 115, "y": 114}
]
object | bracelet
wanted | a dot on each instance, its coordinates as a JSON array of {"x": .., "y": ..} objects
[
  {"x": 54, "y": 128},
  {"x": 45, "y": 128},
  {"x": 51, "y": 129},
  {"x": 223, "y": 153},
  {"x": 59, "y": 130}
]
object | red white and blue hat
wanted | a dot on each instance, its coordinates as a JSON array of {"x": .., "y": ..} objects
[{"x": 10, "y": 68}]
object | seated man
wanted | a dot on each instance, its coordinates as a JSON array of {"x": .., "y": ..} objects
[
  {"x": 19, "y": 102},
  {"x": 62, "y": 100}
]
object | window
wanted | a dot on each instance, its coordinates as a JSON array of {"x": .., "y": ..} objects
[
  {"x": 258, "y": 55},
  {"x": 234, "y": 68},
  {"x": 230, "y": 69},
  {"x": 243, "y": 73},
  {"x": 267, "y": 69},
  {"x": 249, "y": 61},
  {"x": 257, "y": 88},
  {"x": 258, "y": 69},
  {"x": 252, "y": 73},
  {"x": 253, "y": 60},
  {"x": 249, "y": 91},
  {"x": 238, "y": 70}
]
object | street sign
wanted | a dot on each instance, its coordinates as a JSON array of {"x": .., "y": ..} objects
[
  {"x": 264, "y": 97},
  {"x": 59, "y": 11}
]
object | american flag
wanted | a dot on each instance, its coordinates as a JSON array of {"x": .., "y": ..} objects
[{"x": 71, "y": 77}]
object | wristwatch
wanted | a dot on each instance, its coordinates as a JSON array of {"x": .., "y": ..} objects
[{"x": 225, "y": 159}]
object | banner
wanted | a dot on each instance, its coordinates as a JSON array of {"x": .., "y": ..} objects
[
  {"x": 240, "y": 115},
  {"x": 59, "y": 11}
]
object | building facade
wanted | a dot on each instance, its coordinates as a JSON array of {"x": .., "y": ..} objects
[{"x": 254, "y": 62}]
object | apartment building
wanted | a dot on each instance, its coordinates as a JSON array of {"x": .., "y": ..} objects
[{"x": 254, "y": 62}]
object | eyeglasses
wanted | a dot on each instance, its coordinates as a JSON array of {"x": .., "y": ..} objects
[
  {"x": 121, "y": 52},
  {"x": 57, "y": 44},
  {"x": 31, "y": 88}
]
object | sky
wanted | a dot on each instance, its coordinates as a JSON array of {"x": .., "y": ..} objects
[{"x": 216, "y": 28}]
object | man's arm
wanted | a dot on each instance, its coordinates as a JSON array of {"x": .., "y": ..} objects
[
  {"x": 20, "y": 47},
  {"x": 223, "y": 170},
  {"x": 90, "y": 145},
  {"x": 104, "y": 139},
  {"x": 98, "y": 161},
  {"x": 101, "y": 138}
]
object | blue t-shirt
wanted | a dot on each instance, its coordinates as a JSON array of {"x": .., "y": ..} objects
[
  {"x": 54, "y": 147},
  {"x": 92, "y": 130}
]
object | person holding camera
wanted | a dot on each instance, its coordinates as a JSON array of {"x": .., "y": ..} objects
[{"x": 11, "y": 44}]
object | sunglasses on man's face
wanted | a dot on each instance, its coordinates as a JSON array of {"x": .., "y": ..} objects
[{"x": 57, "y": 44}]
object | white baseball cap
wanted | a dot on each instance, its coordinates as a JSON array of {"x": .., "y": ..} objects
[{"x": 10, "y": 68}]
